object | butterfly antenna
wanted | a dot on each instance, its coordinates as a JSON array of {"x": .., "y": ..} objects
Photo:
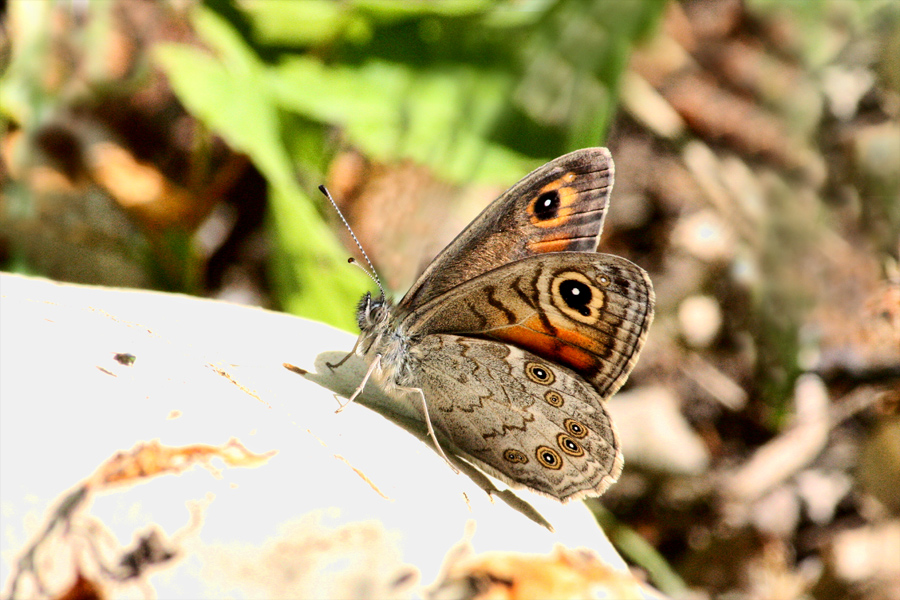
[{"x": 372, "y": 274}]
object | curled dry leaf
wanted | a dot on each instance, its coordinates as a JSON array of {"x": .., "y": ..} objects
[{"x": 152, "y": 458}]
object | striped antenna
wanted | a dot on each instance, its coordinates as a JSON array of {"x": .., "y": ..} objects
[{"x": 372, "y": 274}]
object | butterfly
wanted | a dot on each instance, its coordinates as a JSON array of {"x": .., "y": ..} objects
[{"x": 516, "y": 335}]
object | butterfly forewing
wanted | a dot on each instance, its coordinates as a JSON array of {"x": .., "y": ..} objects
[
  {"x": 559, "y": 207},
  {"x": 589, "y": 312}
]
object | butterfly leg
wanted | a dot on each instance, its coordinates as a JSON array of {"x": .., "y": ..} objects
[
  {"x": 334, "y": 366},
  {"x": 431, "y": 428},
  {"x": 375, "y": 364}
]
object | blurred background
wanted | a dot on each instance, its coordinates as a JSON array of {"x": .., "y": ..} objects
[{"x": 177, "y": 145}]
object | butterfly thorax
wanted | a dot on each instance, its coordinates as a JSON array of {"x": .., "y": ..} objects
[{"x": 381, "y": 335}]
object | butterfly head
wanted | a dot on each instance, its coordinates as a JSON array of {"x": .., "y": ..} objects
[{"x": 372, "y": 312}]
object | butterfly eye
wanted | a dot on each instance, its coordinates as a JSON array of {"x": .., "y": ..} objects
[
  {"x": 554, "y": 398},
  {"x": 515, "y": 456},
  {"x": 549, "y": 457},
  {"x": 538, "y": 373},
  {"x": 575, "y": 428},
  {"x": 569, "y": 446}
]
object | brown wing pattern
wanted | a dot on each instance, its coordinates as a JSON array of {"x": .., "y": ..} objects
[
  {"x": 586, "y": 311},
  {"x": 482, "y": 398},
  {"x": 559, "y": 207}
]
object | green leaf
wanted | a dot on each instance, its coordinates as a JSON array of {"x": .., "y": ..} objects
[
  {"x": 228, "y": 94},
  {"x": 395, "y": 9},
  {"x": 297, "y": 23},
  {"x": 441, "y": 118}
]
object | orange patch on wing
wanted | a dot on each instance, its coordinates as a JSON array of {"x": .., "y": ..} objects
[
  {"x": 576, "y": 339},
  {"x": 560, "y": 245},
  {"x": 559, "y": 221},
  {"x": 535, "y": 323},
  {"x": 567, "y": 336},
  {"x": 546, "y": 346}
]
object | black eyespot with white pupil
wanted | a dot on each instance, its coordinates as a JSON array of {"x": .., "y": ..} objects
[
  {"x": 569, "y": 445},
  {"x": 546, "y": 206},
  {"x": 538, "y": 373},
  {"x": 554, "y": 398},
  {"x": 549, "y": 457},
  {"x": 577, "y": 295},
  {"x": 515, "y": 456},
  {"x": 575, "y": 428}
]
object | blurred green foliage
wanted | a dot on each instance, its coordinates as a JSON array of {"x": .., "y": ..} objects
[{"x": 478, "y": 91}]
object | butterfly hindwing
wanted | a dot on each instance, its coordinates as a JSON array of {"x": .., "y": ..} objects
[{"x": 522, "y": 419}]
